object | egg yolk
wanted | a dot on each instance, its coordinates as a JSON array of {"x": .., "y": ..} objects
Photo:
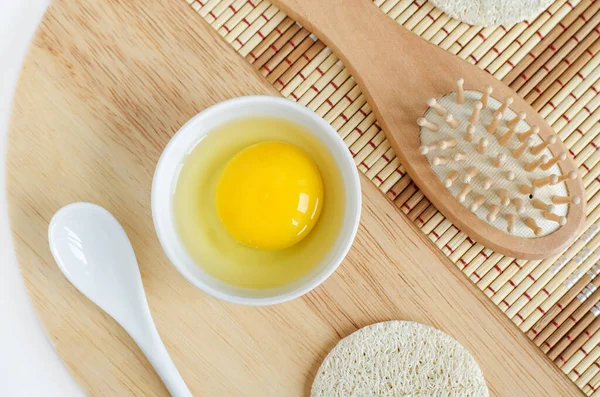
[{"x": 270, "y": 195}]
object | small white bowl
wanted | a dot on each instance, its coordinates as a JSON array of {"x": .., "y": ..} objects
[{"x": 169, "y": 166}]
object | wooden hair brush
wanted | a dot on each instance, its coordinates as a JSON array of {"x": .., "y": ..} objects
[{"x": 479, "y": 152}]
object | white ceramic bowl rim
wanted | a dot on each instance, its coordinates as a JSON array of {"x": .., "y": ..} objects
[{"x": 184, "y": 140}]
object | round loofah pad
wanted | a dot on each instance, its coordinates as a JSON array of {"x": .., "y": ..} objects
[
  {"x": 493, "y": 12},
  {"x": 399, "y": 358}
]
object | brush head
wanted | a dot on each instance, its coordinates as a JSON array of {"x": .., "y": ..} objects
[{"x": 501, "y": 162}]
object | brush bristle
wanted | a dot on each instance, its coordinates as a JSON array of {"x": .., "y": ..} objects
[{"x": 488, "y": 156}]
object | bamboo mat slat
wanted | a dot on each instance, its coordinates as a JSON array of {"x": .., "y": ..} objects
[{"x": 552, "y": 61}]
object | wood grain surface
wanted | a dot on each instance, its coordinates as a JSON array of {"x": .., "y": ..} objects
[
  {"x": 105, "y": 84},
  {"x": 398, "y": 72}
]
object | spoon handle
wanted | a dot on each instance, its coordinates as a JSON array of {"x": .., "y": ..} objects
[{"x": 152, "y": 345}]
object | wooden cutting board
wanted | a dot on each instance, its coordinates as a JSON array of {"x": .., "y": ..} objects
[{"x": 105, "y": 84}]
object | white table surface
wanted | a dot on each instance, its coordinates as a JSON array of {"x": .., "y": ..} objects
[{"x": 29, "y": 366}]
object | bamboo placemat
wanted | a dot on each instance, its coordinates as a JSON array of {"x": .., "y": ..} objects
[{"x": 553, "y": 62}]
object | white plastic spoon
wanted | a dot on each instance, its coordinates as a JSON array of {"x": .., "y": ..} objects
[{"x": 93, "y": 251}]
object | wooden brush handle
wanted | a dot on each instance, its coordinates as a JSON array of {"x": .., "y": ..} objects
[
  {"x": 355, "y": 31},
  {"x": 396, "y": 70}
]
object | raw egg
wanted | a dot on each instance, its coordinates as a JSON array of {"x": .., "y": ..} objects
[
  {"x": 269, "y": 196},
  {"x": 220, "y": 215}
]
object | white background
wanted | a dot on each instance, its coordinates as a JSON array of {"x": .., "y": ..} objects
[{"x": 29, "y": 367}]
